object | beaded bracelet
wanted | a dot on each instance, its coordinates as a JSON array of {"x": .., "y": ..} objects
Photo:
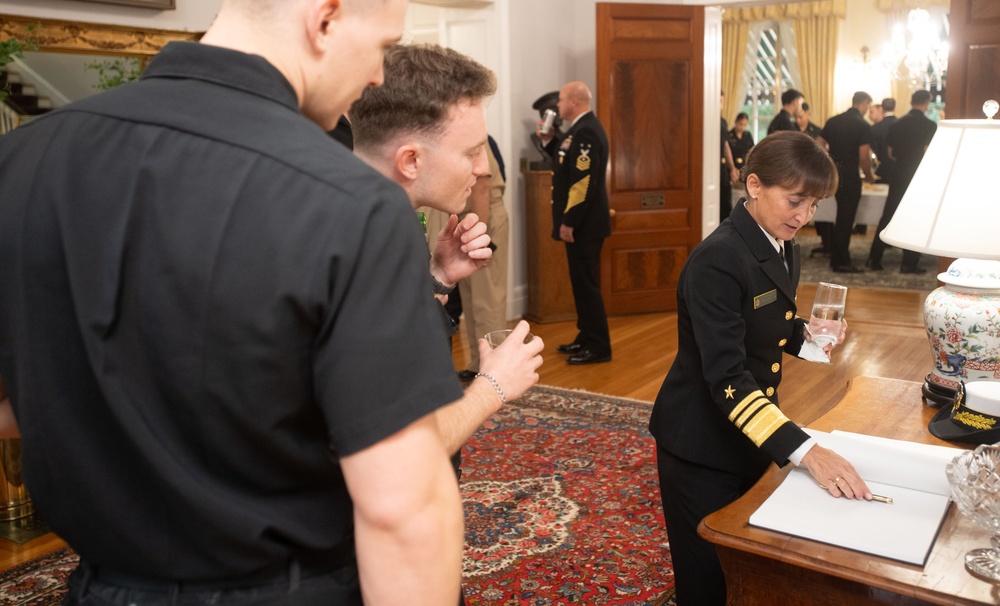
[{"x": 496, "y": 386}]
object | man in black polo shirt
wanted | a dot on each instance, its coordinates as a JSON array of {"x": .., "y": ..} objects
[
  {"x": 849, "y": 139},
  {"x": 202, "y": 292},
  {"x": 881, "y": 146},
  {"x": 791, "y": 107},
  {"x": 906, "y": 142}
]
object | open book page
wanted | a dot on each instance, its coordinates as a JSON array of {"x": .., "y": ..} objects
[{"x": 905, "y": 530}]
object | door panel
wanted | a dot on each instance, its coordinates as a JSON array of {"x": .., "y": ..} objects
[{"x": 649, "y": 86}]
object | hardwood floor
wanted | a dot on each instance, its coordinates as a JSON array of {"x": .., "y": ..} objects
[{"x": 886, "y": 338}]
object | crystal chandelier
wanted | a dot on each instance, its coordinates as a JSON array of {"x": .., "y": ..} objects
[{"x": 917, "y": 53}]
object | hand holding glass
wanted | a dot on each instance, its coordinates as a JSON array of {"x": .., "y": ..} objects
[
  {"x": 827, "y": 313},
  {"x": 497, "y": 337}
]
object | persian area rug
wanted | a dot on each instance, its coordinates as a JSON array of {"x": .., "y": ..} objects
[
  {"x": 40, "y": 582},
  {"x": 562, "y": 504}
]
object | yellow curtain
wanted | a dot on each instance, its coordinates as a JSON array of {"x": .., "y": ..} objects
[
  {"x": 816, "y": 45},
  {"x": 796, "y": 10},
  {"x": 816, "y": 26},
  {"x": 889, "y": 6},
  {"x": 734, "y": 50}
]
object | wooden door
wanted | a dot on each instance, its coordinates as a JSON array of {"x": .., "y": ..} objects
[
  {"x": 650, "y": 72},
  {"x": 973, "y": 58}
]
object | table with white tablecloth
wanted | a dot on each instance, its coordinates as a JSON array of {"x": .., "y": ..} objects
[{"x": 869, "y": 209}]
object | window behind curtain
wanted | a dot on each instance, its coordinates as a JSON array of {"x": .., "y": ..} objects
[{"x": 771, "y": 67}]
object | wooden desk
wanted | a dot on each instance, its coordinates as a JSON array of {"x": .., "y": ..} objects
[
  {"x": 550, "y": 294},
  {"x": 766, "y": 567}
]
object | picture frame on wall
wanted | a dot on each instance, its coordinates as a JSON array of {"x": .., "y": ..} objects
[{"x": 158, "y": 4}]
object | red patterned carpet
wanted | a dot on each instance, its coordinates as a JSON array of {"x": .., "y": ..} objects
[{"x": 562, "y": 506}]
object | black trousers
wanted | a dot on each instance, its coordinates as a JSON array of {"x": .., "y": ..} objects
[
  {"x": 88, "y": 585},
  {"x": 892, "y": 200},
  {"x": 848, "y": 198},
  {"x": 584, "y": 259},
  {"x": 725, "y": 198},
  {"x": 690, "y": 492}
]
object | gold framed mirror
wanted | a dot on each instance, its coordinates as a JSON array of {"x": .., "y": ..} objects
[{"x": 54, "y": 35}]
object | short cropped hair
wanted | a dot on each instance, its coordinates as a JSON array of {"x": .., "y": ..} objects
[
  {"x": 742, "y": 116},
  {"x": 805, "y": 107},
  {"x": 888, "y": 104},
  {"x": 422, "y": 83},
  {"x": 860, "y": 97},
  {"x": 793, "y": 160},
  {"x": 790, "y": 95},
  {"x": 920, "y": 97}
]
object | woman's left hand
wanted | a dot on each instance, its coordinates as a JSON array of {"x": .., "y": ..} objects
[{"x": 840, "y": 338}]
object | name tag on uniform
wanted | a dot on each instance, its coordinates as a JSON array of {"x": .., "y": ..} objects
[{"x": 765, "y": 299}]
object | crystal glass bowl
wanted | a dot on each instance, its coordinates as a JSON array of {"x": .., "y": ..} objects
[{"x": 974, "y": 476}]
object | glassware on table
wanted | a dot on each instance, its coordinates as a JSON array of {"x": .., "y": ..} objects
[
  {"x": 497, "y": 337},
  {"x": 974, "y": 476},
  {"x": 827, "y": 313}
]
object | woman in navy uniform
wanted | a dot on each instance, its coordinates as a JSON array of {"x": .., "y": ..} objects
[
  {"x": 740, "y": 140},
  {"x": 716, "y": 419}
]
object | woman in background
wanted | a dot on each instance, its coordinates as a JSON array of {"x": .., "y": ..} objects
[
  {"x": 740, "y": 140},
  {"x": 716, "y": 419}
]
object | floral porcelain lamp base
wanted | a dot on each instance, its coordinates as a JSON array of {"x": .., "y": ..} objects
[{"x": 963, "y": 327}]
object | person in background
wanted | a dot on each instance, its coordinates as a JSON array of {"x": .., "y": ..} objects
[
  {"x": 425, "y": 128},
  {"x": 805, "y": 124},
  {"x": 197, "y": 364},
  {"x": 906, "y": 143},
  {"x": 849, "y": 139},
  {"x": 580, "y": 218},
  {"x": 881, "y": 145},
  {"x": 791, "y": 106},
  {"x": 824, "y": 229},
  {"x": 740, "y": 141},
  {"x": 875, "y": 113},
  {"x": 716, "y": 419},
  {"x": 730, "y": 172}
]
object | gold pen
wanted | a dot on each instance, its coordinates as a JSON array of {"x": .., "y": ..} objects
[{"x": 881, "y": 499}]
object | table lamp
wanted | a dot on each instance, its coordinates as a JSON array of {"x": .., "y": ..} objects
[{"x": 952, "y": 209}]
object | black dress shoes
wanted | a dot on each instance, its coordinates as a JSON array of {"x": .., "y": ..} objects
[
  {"x": 819, "y": 250},
  {"x": 587, "y": 357},
  {"x": 847, "y": 269},
  {"x": 873, "y": 265},
  {"x": 466, "y": 376},
  {"x": 569, "y": 348},
  {"x": 912, "y": 270}
]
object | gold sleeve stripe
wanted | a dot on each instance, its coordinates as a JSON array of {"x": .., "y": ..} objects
[
  {"x": 739, "y": 408},
  {"x": 577, "y": 193},
  {"x": 765, "y": 424},
  {"x": 750, "y": 411}
]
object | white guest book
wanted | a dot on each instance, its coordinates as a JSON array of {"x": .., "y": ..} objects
[{"x": 913, "y": 475}]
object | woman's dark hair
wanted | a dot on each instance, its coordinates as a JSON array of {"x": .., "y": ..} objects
[
  {"x": 793, "y": 160},
  {"x": 742, "y": 116}
]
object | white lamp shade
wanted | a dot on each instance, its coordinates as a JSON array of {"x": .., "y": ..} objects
[{"x": 952, "y": 206}]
